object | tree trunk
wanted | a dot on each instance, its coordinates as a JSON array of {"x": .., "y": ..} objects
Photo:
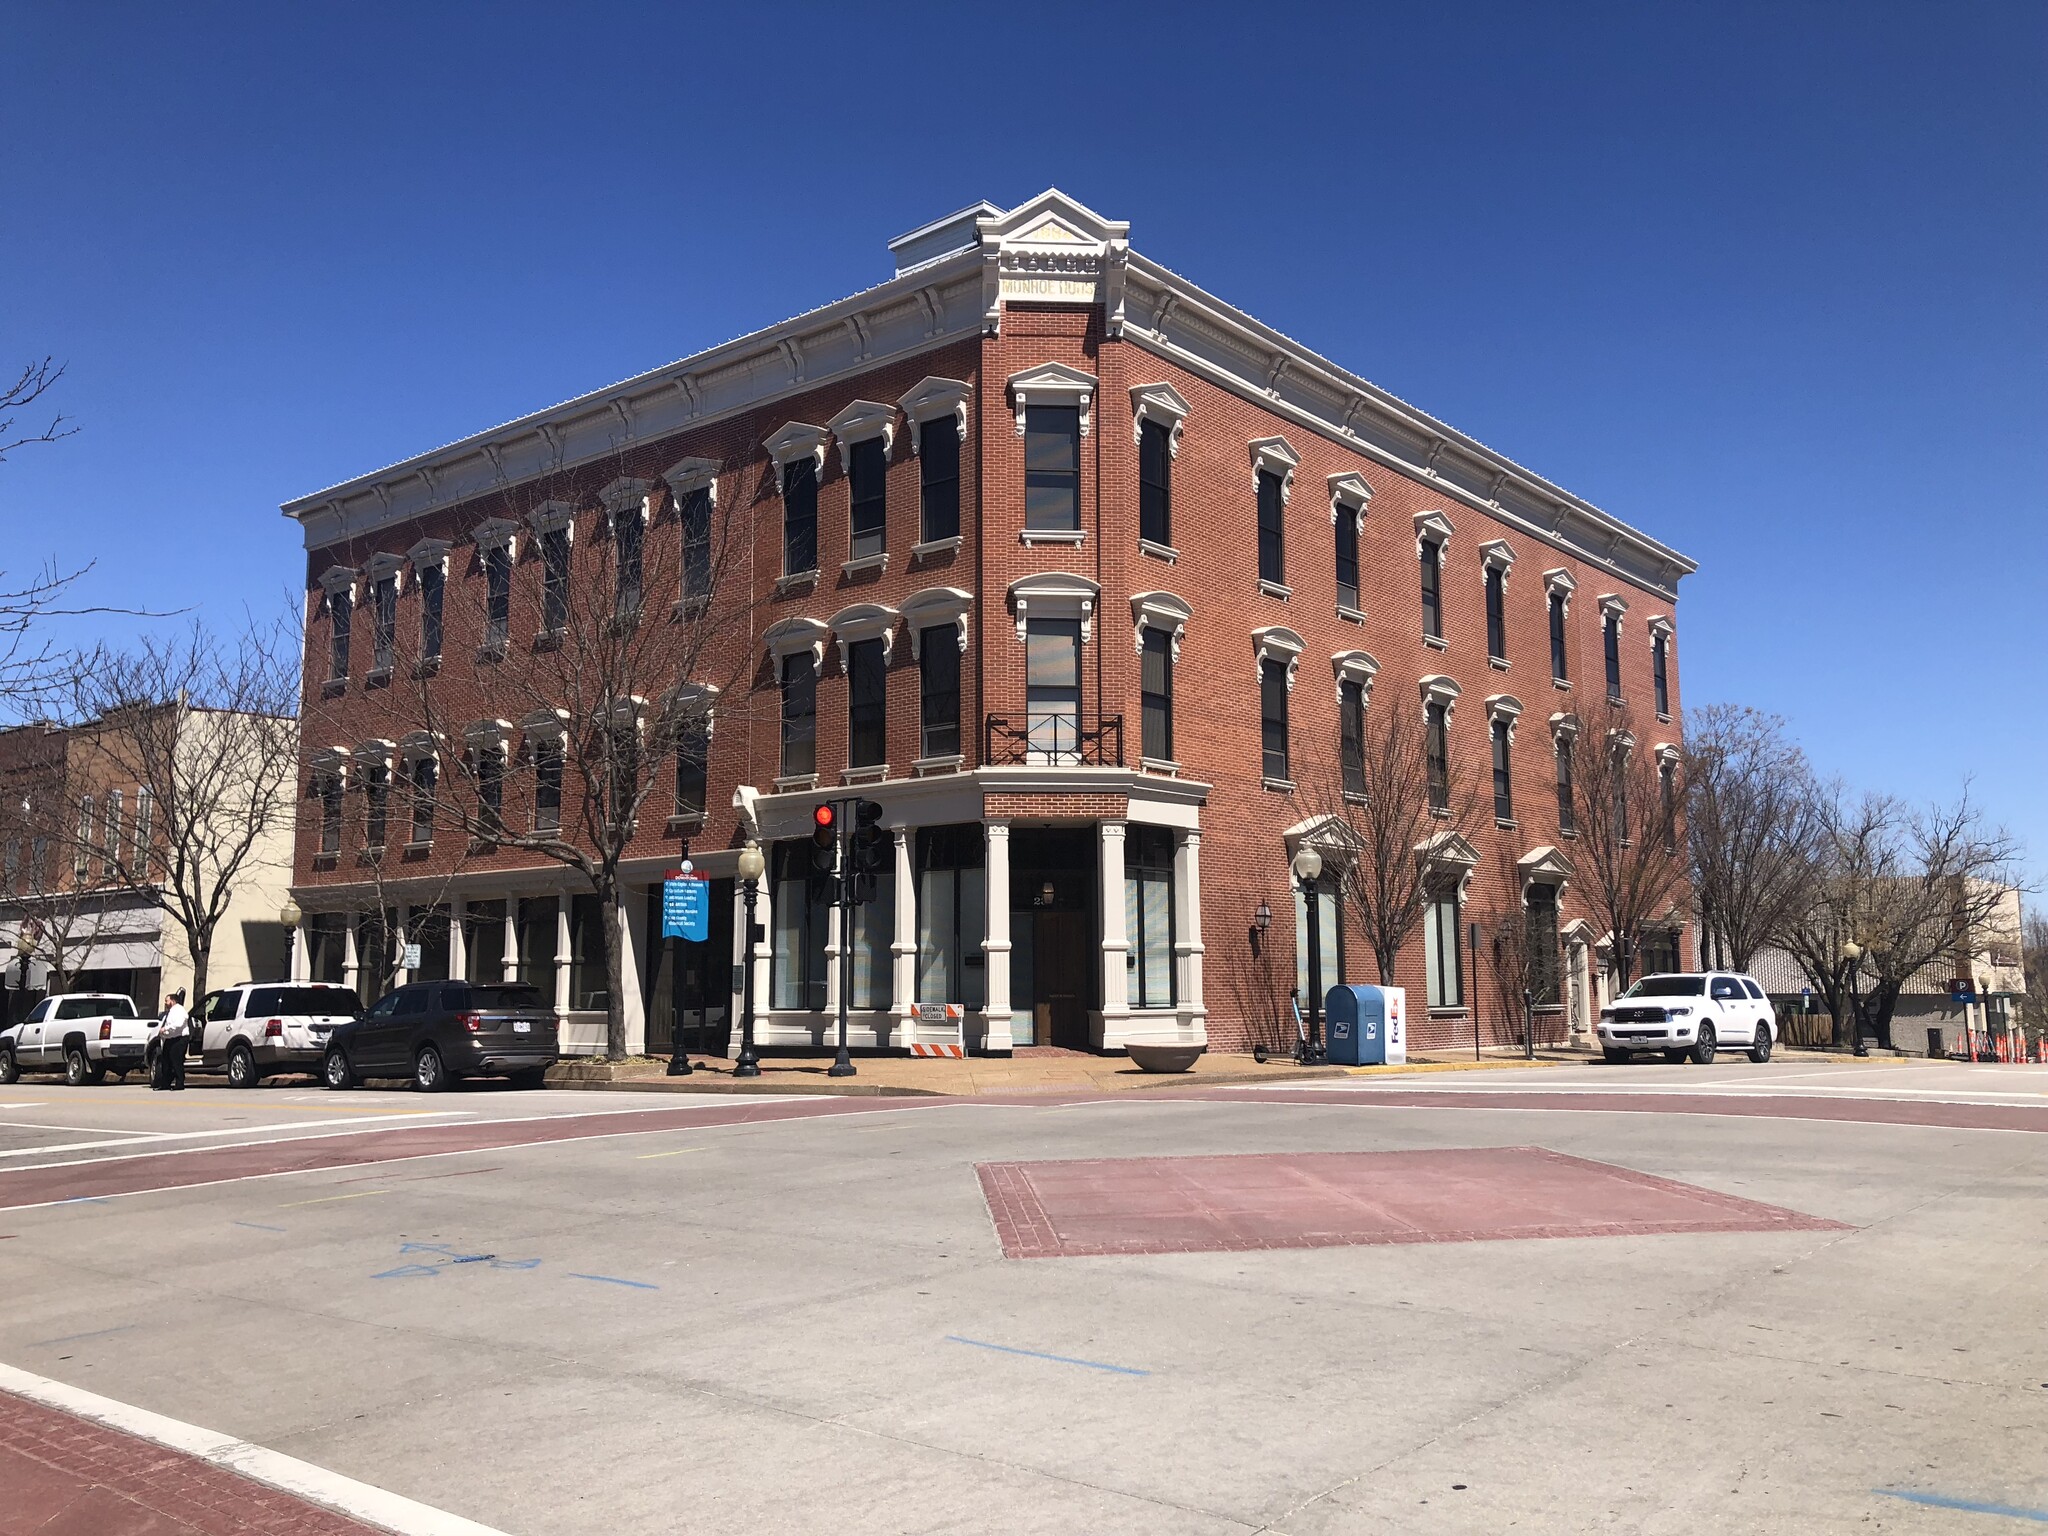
[
  {"x": 1386, "y": 965},
  {"x": 614, "y": 973},
  {"x": 202, "y": 956}
]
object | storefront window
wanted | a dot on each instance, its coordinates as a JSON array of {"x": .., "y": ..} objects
[
  {"x": 588, "y": 987},
  {"x": 537, "y": 943},
  {"x": 874, "y": 937},
  {"x": 798, "y": 971},
  {"x": 1148, "y": 915},
  {"x": 951, "y": 916},
  {"x": 483, "y": 943},
  {"x": 1441, "y": 955},
  {"x": 1543, "y": 952}
]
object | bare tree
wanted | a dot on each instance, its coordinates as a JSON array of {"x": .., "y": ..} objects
[
  {"x": 1625, "y": 809},
  {"x": 1753, "y": 829},
  {"x": 2034, "y": 963},
  {"x": 205, "y": 726},
  {"x": 34, "y": 381},
  {"x": 1523, "y": 970},
  {"x": 55, "y": 868}
]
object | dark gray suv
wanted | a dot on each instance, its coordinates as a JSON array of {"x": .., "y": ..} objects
[{"x": 436, "y": 1032}]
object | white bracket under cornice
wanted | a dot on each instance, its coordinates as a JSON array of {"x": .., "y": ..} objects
[
  {"x": 688, "y": 475},
  {"x": 1432, "y": 527},
  {"x": 1274, "y": 456},
  {"x": 1349, "y": 490},
  {"x": 797, "y": 440},
  {"x": 1161, "y": 403},
  {"x": 1052, "y": 384},
  {"x": 865, "y": 621},
  {"x": 1275, "y": 642},
  {"x": 1438, "y": 689},
  {"x": 860, "y": 422},
  {"x": 932, "y": 400},
  {"x": 1354, "y": 667},
  {"x": 795, "y": 637},
  {"x": 933, "y": 607},
  {"x": 1163, "y": 611},
  {"x": 1054, "y": 595}
]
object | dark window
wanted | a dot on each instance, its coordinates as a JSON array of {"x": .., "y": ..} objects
[
  {"x": 432, "y": 580},
  {"x": 938, "y": 479},
  {"x": 695, "y": 516},
  {"x": 376, "y": 804},
  {"x": 1437, "y": 750},
  {"x": 384, "y": 624},
  {"x": 1667, "y": 808},
  {"x": 1660, "y": 672},
  {"x": 1148, "y": 916},
  {"x": 1441, "y": 955},
  {"x": 1503, "y": 781},
  {"x": 867, "y": 704},
  {"x": 497, "y": 596},
  {"x": 1432, "y": 589},
  {"x": 799, "y": 715},
  {"x": 1619, "y": 773},
  {"x": 588, "y": 986},
  {"x": 1351, "y": 734},
  {"x": 1272, "y": 529},
  {"x": 868, "y": 475},
  {"x": 938, "y": 687},
  {"x": 1559, "y": 666},
  {"x": 554, "y": 581},
  {"x": 511, "y": 997},
  {"x": 1660, "y": 949},
  {"x": 1544, "y": 970},
  {"x": 300, "y": 1002},
  {"x": 627, "y": 533},
  {"x": 328, "y": 788},
  {"x": 340, "y": 612},
  {"x": 693, "y": 758},
  {"x": 1347, "y": 558},
  {"x": 1273, "y": 744},
  {"x": 1565, "y": 819},
  {"x": 547, "y": 786},
  {"x": 800, "y": 917},
  {"x": 951, "y": 915},
  {"x": 800, "y": 516},
  {"x": 1155, "y": 483},
  {"x": 1052, "y": 466},
  {"x": 490, "y": 789},
  {"x": 426, "y": 774},
  {"x": 1156, "y": 694},
  {"x": 1496, "y": 613},
  {"x": 1052, "y": 693},
  {"x": 1610, "y": 640}
]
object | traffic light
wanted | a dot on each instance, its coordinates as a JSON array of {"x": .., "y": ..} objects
[
  {"x": 869, "y": 841},
  {"x": 825, "y": 841}
]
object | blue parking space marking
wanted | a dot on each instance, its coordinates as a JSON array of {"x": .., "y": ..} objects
[
  {"x": 1035, "y": 1354},
  {"x": 74, "y": 1338},
  {"x": 1966, "y": 1506},
  {"x": 256, "y": 1226},
  {"x": 638, "y": 1285}
]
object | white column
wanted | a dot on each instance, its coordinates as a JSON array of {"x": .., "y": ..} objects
[
  {"x": 764, "y": 952},
  {"x": 903, "y": 947},
  {"x": 832, "y": 944},
  {"x": 629, "y": 939},
  {"x": 511, "y": 963},
  {"x": 562, "y": 953},
  {"x": 1187, "y": 923},
  {"x": 351, "y": 963},
  {"x": 302, "y": 949},
  {"x": 400, "y": 937},
  {"x": 1116, "y": 944},
  {"x": 458, "y": 941},
  {"x": 995, "y": 947}
]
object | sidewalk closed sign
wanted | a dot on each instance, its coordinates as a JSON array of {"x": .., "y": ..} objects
[{"x": 685, "y": 907}]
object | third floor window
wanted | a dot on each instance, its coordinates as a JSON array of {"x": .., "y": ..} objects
[
  {"x": 800, "y": 516},
  {"x": 554, "y": 580},
  {"x": 497, "y": 596},
  {"x": 1432, "y": 589},
  {"x": 433, "y": 582},
  {"x": 1347, "y": 558},
  {"x": 1560, "y": 667},
  {"x": 1156, "y": 695},
  {"x": 695, "y": 515},
  {"x": 938, "y": 479},
  {"x": 340, "y": 615},
  {"x": 868, "y": 477},
  {"x": 867, "y": 704},
  {"x": 1496, "y": 613},
  {"x": 1272, "y": 529},
  {"x": 384, "y": 629},
  {"x": 1155, "y": 484},
  {"x": 1610, "y": 643},
  {"x": 1052, "y": 467},
  {"x": 938, "y": 686},
  {"x": 1660, "y": 672}
]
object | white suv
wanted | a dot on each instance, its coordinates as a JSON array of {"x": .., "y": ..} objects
[
  {"x": 1690, "y": 1014},
  {"x": 82, "y": 1034},
  {"x": 260, "y": 1028}
]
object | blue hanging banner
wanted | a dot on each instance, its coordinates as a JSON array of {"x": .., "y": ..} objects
[{"x": 685, "y": 907}]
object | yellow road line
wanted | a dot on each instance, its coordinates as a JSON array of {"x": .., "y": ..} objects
[
  {"x": 679, "y": 1151},
  {"x": 325, "y": 1198}
]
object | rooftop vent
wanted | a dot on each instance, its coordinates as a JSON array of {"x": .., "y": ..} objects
[{"x": 942, "y": 237}]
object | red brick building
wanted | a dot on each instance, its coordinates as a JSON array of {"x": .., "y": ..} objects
[{"x": 1078, "y": 572}]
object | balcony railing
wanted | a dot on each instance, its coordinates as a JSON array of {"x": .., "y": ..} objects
[{"x": 1054, "y": 740}]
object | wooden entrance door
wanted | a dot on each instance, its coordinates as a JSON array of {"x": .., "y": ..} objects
[{"x": 1061, "y": 985}]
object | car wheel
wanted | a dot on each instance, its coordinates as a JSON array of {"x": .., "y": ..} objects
[
  {"x": 532, "y": 1077},
  {"x": 336, "y": 1072},
  {"x": 1760, "y": 1051},
  {"x": 9, "y": 1072},
  {"x": 1613, "y": 1057},
  {"x": 1703, "y": 1048},
  {"x": 429, "y": 1075},
  {"x": 76, "y": 1068},
  {"x": 242, "y": 1071}
]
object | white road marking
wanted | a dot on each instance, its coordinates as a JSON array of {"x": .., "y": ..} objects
[
  {"x": 25, "y": 1104},
  {"x": 135, "y": 1138},
  {"x": 50, "y": 1125},
  {"x": 375, "y": 1506}
]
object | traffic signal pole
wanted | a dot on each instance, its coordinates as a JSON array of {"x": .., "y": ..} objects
[{"x": 855, "y": 852}]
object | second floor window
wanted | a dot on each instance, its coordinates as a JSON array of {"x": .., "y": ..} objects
[
  {"x": 695, "y": 515},
  {"x": 376, "y": 804},
  {"x": 1351, "y": 734},
  {"x": 1156, "y": 695},
  {"x": 1443, "y": 973},
  {"x": 800, "y": 516},
  {"x": 1347, "y": 558},
  {"x": 867, "y": 704},
  {"x": 110, "y": 847},
  {"x": 938, "y": 479},
  {"x": 799, "y": 716},
  {"x": 1496, "y": 613},
  {"x": 1610, "y": 641},
  {"x": 1545, "y": 973},
  {"x": 1052, "y": 692},
  {"x": 1660, "y": 672},
  {"x": 1272, "y": 529},
  {"x": 1503, "y": 780},
  {"x": 497, "y": 597},
  {"x": 1560, "y": 667},
  {"x": 554, "y": 580},
  {"x": 433, "y": 581},
  {"x": 693, "y": 759},
  {"x": 1432, "y": 589},
  {"x": 1618, "y": 773},
  {"x": 869, "y": 478},
  {"x": 1566, "y": 817},
  {"x": 327, "y": 790},
  {"x": 1052, "y": 467},
  {"x": 340, "y": 616},
  {"x": 1274, "y": 758},
  {"x": 1667, "y": 804},
  {"x": 490, "y": 789},
  {"x": 1155, "y": 484},
  {"x": 627, "y": 532},
  {"x": 1436, "y": 748},
  {"x": 547, "y": 784},
  {"x": 938, "y": 687},
  {"x": 384, "y": 633},
  {"x": 426, "y": 774}
]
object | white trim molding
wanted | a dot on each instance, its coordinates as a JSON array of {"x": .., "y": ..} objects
[
  {"x": 626, "y": 494},
  {"x": 1504, "y": 706},
  {"x": 865, "y": 621},
  {"x": 687, "y": 475},
  {"x": 415, "y": 745},
  {"x": 1162, "y": 611},
  {"x": 933, "y": 399},
  {"x": 1544, "y": 866},
  {"x": 429, "y": 553},
  {"x": 1349, "y": 489},
  {"x": 1432, "y": 527},
  {"x": 338, "y": 579},
  {"x": 1564, "y": 727},
  {"x": 488, "y": 733},
  {"x": 1446, "y": 852},
  {"x": 496, "y": 533},
  {"x": 1161, "y": 403},
  {"x": 1613, "y": 606},
  {"x": 544, "y": 723},
  {"x": 932, "y": 607},
  {"x": 1054, "y": 595},
  {"x": 1438, "y": 689},
  {"x": 858, "y": 423},
  {"x": 1559, "y": 581},
  {"x": 381, "y": 565},
  {"x": 1497, "y": 554},
  {"x": 793, "y": 441},
  {"x": 1660, "y": 624},
  {"x": 789, "y": 637},
  {"x": 1355, "y": 667},
  {"x": 1667, "y": 754},
  {"x": 552, "y": 515},
  {"x": 1276, "y": 642},
  {"x": 1274, "y": 456},
  {"x": 374, "y": 753},
  {"x": 1052, "y": 384}
]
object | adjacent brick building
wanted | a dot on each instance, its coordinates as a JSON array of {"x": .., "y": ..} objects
[{"x": 1097, "y": 564}]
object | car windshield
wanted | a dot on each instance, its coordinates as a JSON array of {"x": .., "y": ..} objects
[
  {"x": 302, "y": 1002},
  {"x": 506, "y": 997},
  {"x": 1668, "y": 986},
  {"x": 96, "y": 1007}
]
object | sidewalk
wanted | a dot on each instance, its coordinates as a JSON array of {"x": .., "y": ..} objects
[{"x": 1029, "y": 1071}]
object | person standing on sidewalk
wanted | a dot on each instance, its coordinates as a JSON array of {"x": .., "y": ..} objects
[{"x": 170, "y": 1048}]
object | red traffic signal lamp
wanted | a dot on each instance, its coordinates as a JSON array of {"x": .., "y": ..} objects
[{"x": 825, "y": 840}]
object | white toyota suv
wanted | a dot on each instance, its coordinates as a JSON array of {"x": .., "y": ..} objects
[
  {"x": 1690, "y": 1014},
  {"x": 260, "y": 1028},
  {"x": 82, "y": 1034}
]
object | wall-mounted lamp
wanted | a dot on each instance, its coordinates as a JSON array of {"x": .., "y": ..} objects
[
  {"x": 1263, "y": 918},
  {"x": 1045, "y": 894}
]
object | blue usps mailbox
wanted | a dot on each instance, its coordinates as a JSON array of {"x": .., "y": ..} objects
[{"x": 1367, "y": 1026}]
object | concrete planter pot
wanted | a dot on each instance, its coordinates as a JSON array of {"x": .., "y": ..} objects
[{"x": 1163, "y": 1056}]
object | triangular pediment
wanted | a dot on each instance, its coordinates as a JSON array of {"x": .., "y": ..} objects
[{"x": 1052, "y": 218}]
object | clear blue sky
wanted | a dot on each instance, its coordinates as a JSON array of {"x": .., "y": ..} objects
[{"x": 1767, "y": 281}]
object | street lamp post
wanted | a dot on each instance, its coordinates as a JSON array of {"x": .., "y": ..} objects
[
  {"x": 24, "y": 946},
  {"x": 290, "y": 915},
  {"x": 1308, "y": 869},
  {"x": 750, "y": 868},
  {"x": 1853, "y": 953}
]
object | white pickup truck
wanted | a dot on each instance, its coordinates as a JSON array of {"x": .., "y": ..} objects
[{"x": 84, "y": 1035}]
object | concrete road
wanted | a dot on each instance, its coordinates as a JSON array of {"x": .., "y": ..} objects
[{"x": 789, "y": 1316}]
